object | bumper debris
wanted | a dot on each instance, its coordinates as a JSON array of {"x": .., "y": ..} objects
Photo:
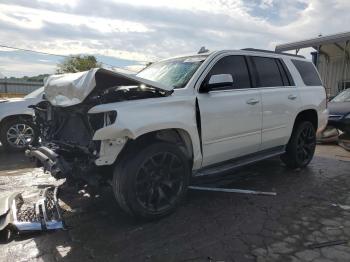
[{"x": 24, "y": 216}]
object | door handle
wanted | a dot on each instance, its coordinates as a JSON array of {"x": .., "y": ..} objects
[
  {"x": 292, "y": 97},
  {"x": 252, "y": 101}
]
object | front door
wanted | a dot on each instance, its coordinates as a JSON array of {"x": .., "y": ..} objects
[{"x": 230, "y": 115}]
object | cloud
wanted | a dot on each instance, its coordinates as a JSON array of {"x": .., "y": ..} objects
[
  {"x": 132, "y": 32},
  {"x": 18, "y": 67}
]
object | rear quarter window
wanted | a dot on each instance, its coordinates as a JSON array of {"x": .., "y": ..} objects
[{"x": 307, "y": 72}]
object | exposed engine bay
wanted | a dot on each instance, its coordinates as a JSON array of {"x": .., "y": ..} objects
[{"x": 67, "y": 148}]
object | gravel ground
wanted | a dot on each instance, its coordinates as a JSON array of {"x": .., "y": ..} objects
[{"x": 209, "y": 226}]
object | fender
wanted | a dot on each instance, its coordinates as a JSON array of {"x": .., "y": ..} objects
[
  {"x": 314, "y": 97},
  {"x": 139, "y": 117},
  {"x": 17, "y": 107}
]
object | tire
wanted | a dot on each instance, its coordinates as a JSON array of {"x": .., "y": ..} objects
[
  {"x": 9, "y": 131},
  {"x": 149, "y": 182},
  {"x": 301, "y": 146},
  {"x": 6, "y": 235}
]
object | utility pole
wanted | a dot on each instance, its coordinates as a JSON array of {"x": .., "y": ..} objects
[{"x": 5, "y": 84}]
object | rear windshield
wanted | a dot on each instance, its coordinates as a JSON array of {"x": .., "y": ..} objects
[{"x": 307, "y": 72}]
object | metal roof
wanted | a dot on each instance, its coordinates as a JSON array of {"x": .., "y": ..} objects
[{"x": 314, "y": 42}]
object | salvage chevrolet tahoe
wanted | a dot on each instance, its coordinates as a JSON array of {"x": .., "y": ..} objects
[{"x": 195, "y": 115}]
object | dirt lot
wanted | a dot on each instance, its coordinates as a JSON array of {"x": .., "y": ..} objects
[{"x": 209, "y": 226}]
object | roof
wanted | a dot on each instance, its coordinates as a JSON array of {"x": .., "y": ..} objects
[
  {"x": 314, "y": 42},
  {"x": 270, "y": 52},
  {"x": 251, "y": 51}
]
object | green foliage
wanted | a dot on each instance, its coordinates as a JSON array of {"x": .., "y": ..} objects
[
  {"x": 38, "y": 78},
  {"x": 78, "y": 63}
]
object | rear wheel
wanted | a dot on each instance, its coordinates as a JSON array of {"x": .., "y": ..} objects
[
  {"x": 17, "y": 134},
  {"x": 151, "y": 182},
  {"x": 301, "y": 147}
]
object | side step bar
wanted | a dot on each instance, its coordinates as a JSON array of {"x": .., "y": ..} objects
[{"x": 231, "y": 165}]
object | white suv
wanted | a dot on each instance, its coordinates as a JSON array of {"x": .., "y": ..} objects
[
  {"x": 194, "y": 115},
  {"x": 16, "y": 121}
]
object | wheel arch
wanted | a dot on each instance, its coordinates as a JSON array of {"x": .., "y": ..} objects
[
  {"x": 177, "y": 136},
  {"x": 17, "y": 116},
  {"x": 307, "y": 115}
]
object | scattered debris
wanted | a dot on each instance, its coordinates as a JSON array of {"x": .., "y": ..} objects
[
  {"x": 328, "y": 244},
  {"x": 344, "y": 141},
  {"x": 329, "y": 135},
  {"x": 25, "y": 216},
  {"x": 345, "y": 207},
  {"x": 335, "y": 228},
  {"x": 86, "y": 195},
  {"x": 233, "y": 190}
]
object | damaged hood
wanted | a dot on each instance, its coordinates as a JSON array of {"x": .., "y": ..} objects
[{"x": 71, "y": 89}]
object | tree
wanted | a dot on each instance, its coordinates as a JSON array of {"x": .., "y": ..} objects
[{"x": 77, "y": 63}]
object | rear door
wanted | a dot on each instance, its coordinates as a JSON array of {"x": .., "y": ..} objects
[
  {"x": 230, "y": 115},
  {"x": 280, "y": 100}
]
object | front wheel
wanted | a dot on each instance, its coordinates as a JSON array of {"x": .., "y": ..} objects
[
  {"x": 150, "y": 182},
  {"x": 17, "y": 134},
  {"x": 301, "y": 147}
]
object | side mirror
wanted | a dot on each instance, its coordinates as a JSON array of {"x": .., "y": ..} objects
[{"x": 218, "y": 81}]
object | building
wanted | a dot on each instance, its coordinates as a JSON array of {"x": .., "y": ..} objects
[{"x": 331, "y": 57}]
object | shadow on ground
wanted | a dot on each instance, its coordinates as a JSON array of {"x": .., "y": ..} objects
[{"x": 13, "y": 162}]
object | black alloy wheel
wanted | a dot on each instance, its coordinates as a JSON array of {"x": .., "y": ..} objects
[
  {"x": 301, "y": 146},
  {"x": 306, "y": 144},
  {"x": 151, "y": 180},
  {"x": 159, "y": 181}
]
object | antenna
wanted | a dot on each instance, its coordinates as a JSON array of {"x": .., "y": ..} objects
[{"x": 203, "y": 50}]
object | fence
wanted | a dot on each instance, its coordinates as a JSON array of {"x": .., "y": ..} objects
[{"x": 18, "y": 87}]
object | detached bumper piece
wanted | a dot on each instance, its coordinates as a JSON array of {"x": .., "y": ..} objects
[
  {"x": 42, "y": 216},
  {"x": 344, "y": 141}
]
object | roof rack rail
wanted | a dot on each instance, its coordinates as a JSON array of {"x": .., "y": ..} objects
[{"x": 271, "y": 52}]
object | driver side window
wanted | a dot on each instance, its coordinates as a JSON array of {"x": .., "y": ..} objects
[{"x": 234, "y": 65}]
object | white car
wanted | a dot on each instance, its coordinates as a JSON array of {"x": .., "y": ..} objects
[
  {"x": 194, "y": 115},
  {"x": 17, "y": 130}
]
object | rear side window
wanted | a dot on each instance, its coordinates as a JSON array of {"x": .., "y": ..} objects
[
  {"x": 234, "y": 65},
  {"x": 307, "y": 72},
  {"x": 268, "y": 72}
]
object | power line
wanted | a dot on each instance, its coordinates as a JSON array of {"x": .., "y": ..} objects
[
  {"x": 33, "y": 51},
  {"x": 46, "y": 53}
]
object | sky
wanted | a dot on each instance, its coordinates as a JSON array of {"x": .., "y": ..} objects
[{"x": 129, "y": 33}]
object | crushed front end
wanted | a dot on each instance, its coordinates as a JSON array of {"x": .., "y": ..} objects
[{"x": 67, "y": 148}]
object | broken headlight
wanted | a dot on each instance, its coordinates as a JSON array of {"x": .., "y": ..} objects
[{"x": 100, "y": 120}]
